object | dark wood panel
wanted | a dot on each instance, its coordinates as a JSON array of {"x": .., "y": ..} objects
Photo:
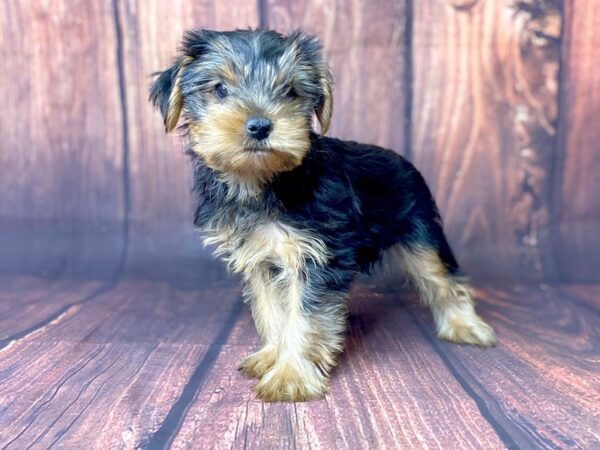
[
  {"x": 365, "y": 47},
  {"x": 152, "y": 31},
  {"x": 61, "y": 152},
  {"x": 576, "y": 218},
  {"x": 61, "y": 147},
  {"x": 483, "y": 126}
]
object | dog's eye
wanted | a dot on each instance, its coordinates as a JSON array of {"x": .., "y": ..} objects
[
  {"x": 221, "y": 91},
  {"x": 291, "y": 92}
]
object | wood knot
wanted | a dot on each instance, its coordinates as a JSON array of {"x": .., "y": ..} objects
[{"x": 463, "y": 5}]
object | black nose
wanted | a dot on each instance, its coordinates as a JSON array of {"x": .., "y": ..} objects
[{"x": 258, "y": 127}]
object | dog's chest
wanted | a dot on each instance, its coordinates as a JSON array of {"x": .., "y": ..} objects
[{"x": 266, "y": 245}]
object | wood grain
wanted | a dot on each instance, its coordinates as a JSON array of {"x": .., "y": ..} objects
[
  {"x": 576, "y": 213},
  {"x": 390, "y": 391},
  {"x": 586, "y": 295},
  {"x": 61, "y": 157},
  {"x": 26, "y": 302},
  {"x": 112, "y": 368},
  {"x": 365, "y": 47},
  {"x": 60, "y": 152},
  {"x": 542, "y": 385},
  {"x": 147, "y": 364},
  {"x": 117, "y": 330},
  {"x": 484, "y": 125}
]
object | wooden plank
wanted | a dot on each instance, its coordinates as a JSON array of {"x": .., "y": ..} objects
[
  {"x": 26, "y": 301},
  {"x": 147, "y": 311},
  {"x": 576, "y": 203},
  {"x": 146, "y": 354},
  {"x": 112, "y": 368},
  {"x": 152, "y": 31},
  {"x": 542, "y": 383},
  {"x": 364, "y": 46},
  {"x": 484, "y": 113},
  {"x": 113, "y": 392},
  {"x": 61, "y": 151},
  {"x": 389, "y": 391},
  {"x": 587, "y": 295}
]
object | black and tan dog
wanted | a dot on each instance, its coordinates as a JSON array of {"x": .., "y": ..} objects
[{"x": 299, "y": 215}]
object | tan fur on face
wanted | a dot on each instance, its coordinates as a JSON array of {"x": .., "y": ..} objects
[
  {"x": 222, "y": 142},
  {"x": 228, "y": 72},
  {"x": 449, "y": 298}
]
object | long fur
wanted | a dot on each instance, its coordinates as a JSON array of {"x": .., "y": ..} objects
[{"x": 299, "y": 215}]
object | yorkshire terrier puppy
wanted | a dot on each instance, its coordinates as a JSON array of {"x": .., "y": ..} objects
[{"x": 296, "y": 214}]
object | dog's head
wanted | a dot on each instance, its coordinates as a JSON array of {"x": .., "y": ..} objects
[{"x": 246, "y": 98}]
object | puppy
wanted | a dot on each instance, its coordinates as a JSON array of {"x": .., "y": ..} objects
[{"x": 296, "y": 214}]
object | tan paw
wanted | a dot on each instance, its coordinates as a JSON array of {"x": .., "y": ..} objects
[
  {"x": 467, "y": 329},
  {"x": 257, "y": 364},
  {"x": 286, "y": 384}
]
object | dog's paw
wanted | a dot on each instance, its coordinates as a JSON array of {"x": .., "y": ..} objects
[
  {"x": 258, "y": 364},
  {"x": 467, "y": 328},
  {"x": 287, "y": 384}
]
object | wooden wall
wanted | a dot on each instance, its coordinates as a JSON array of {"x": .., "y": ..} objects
[{"x": 495, "y": 102}]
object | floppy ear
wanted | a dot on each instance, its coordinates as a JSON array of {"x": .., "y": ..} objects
[
  {"x": 324, "y": 109},
  {"x": 309, "y": 55},
  {"x": 165, "y": 93}
]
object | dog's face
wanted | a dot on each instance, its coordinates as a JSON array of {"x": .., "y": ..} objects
[{"x": 246, "y": 98}]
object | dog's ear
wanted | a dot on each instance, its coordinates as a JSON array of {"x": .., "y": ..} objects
[
  {"x": 165, "y": 93},
  {"x": 309, "y": 56},
  {"x": 324, "y": 109}
]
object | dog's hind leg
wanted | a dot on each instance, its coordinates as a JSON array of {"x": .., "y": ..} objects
[{"x": 432, "y": 269}]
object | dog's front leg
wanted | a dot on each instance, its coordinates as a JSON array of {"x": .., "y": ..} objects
[
  {"x": 268, "y": 313},
  {"x": 302, "y": 330},
  {"x": 292, "y": 377}
]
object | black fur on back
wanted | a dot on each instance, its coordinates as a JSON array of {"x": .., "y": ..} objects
[{"x": 359, "y": 199}]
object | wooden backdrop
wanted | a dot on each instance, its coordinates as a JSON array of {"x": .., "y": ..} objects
[
  {"x": 118, "y": 330},
  {"x": 496, "y": 102}
]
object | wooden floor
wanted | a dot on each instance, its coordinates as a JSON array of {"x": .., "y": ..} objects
[{"x": 141, "y": 352}]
